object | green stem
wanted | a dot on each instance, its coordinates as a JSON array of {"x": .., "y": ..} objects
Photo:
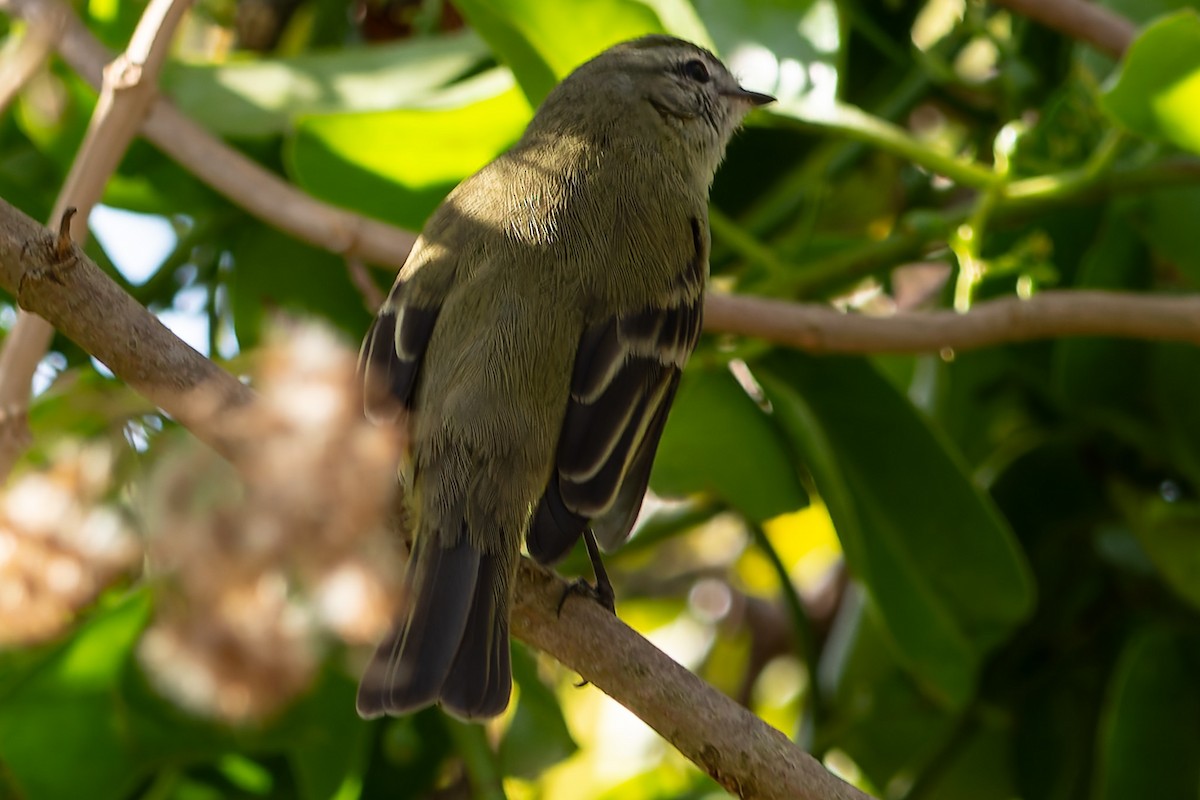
[
  {"x": 806, "y": 637},
  {"x": 853, "y": 123},
  {"x": 1021, "y": 197},
  {"x": 738, "y": 239}
]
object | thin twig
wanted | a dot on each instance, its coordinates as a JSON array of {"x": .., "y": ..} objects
[
  {"x": 1106, "y": 30},
  {"x": 262, "y": 193},
  {"x": 739, "y": 750},
  {"x": 22, "y": 63},
  {"x": 1047, "y": 315},
  {"x": 126, "y": 96}
]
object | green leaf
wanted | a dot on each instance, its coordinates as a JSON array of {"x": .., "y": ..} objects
[
  {"x": 1175, "y": 391},
  {"x": 327, "y": 743},
  {"x": 538, "y": 737},
  {"x": 942, "y": 567},
  {"x": 1149, "y": 739},
  {"x": 718, "y": 440},
  {"x": 1157, "y": 90},
  {"x": 261, "y": 97},
  {"x": 399, "y": 165},
  {"x": 1169, "y": 532},
  {"x": 1166, "y": 218},
  {"x": 274, "y": 272},
  {"x": 762, "y": 40},
  {"x": 542, "y": 42},
  {"x": 65, "y": 711},
  {"x": 1106, "y": 375}
]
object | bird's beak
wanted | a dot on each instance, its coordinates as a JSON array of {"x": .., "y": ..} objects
[{"x": 753, "y": 98}]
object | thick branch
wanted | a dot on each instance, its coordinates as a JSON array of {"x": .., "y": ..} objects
[
  {"x": 52, "y": 278},
  {"x": 1047, "y": 315},
  {"x": 55, "y": 280},
  {"x": 127, "y": 93},
  {"x": 1107, "y": 31}
]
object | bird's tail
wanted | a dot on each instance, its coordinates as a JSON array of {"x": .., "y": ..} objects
[{"x": 451, "y": 645}]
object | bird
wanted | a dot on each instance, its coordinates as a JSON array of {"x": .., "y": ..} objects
[{"x": 530, "y": 349}]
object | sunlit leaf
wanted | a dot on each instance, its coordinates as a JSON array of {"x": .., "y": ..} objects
[
  {"x": 787, "y": 47},
  {"x": 398, "y": 165},
  {"x": 1158, "y": 88},
  {"x": 261, "y": 97},
  {"x": 528, "y": 34}
]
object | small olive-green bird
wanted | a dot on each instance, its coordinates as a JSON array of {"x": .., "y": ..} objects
[{"x": 532, "y": 344}]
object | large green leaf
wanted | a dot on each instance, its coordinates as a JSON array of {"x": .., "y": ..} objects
[
  {"x": 63, "y": 732},
  {"x": 398, "y": 165},
  {"x": 538, "y": 737},
  {"x": 261, "y": 97},
  {"x": 941, "y": 565},
  {"x": 1158, "y": 88},
  {"x": 1150, "y": 738},
  {"x": 719, "y": 441},
  {"x": 543, "y": 41}
]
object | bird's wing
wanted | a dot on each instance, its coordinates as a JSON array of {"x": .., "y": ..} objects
[
  {"x": 626, "y": 371},
  {"x": 392, "y": 352}
]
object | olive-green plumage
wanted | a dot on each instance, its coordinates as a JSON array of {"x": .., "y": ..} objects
[{"x": 532, "y": 344}]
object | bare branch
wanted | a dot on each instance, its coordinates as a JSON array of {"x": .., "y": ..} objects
[
  {"x": 738, "y": 749},
  {"x": 260, "y": 192},
  {"x": 1106, "y": 30},
  {"x": 1047, "y": 315},
  {"x": 743, "y": 754},
  {"x": 73, "y": 294},
  {"x": 125, "y": 99}
]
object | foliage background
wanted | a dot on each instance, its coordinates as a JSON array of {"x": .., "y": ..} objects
[{"x": 954, "y": 575}]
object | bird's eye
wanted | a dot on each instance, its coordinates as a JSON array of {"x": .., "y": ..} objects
[{"x": 696, "y": 70}]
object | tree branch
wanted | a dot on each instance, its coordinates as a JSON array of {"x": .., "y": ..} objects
[
  {"x": 1107, "y": 31},
  {"x": 232, "y": 174},
  {"x": 810, "y": 327},
  {"x": 127, "y": 93},
  {"x": 1047, "y": 315},
  {"x": 54, "y": 279}
]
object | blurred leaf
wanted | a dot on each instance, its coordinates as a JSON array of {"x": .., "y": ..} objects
[
  {"x": 718, "y": 440},
  {"x": 942, "y": 567},
  {"x": 1158, "y": 88},
  {"x": 537, "y": 738},
  {"x": 399, "y": 165},
  {"x": 64, "y": 711},
  {"x": 879, "y": 714},
  {"x": 261, "y": 97},
  {"x": 1175, "y": 393},
  {"x": 1150, "y": 742},
  {"x": 1106, "y": 375},
  {"x": 327, "y": 743},
  {"x": 275, "y": 273},
  {"x": 1170, "y": 535},
  {"x": 766, "y": 42},
  {"x": 1166, "y": 219},
  {"x": 527, "y": 35}
]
